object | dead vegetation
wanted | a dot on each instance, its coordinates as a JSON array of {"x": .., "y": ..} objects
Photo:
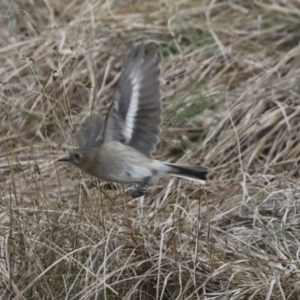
[{"x": 230, "y": 84}]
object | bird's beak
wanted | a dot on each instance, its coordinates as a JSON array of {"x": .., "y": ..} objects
[{"x": 65, "y": 158}]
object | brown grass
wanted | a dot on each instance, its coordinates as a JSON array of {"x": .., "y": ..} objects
[{"x": 230, "y": 93}]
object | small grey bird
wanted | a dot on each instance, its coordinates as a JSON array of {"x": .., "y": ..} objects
[{"x": 119, "y": 148}]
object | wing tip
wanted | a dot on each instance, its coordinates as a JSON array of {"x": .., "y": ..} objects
[{"x": 144, "y": 49}]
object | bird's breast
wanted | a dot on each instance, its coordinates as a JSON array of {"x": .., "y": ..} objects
[{"x": 119, "y": 163}]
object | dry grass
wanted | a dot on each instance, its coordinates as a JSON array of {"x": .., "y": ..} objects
[{"x": 236, "y": 110}]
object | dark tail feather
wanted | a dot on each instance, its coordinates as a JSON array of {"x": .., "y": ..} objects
[{"x": 197, "y": 174}]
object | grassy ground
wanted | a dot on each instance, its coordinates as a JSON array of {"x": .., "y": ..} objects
[{"x": 230, "y": 83}]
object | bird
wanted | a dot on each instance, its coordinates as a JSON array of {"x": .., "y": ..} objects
[{"x": 118, "y": 147}]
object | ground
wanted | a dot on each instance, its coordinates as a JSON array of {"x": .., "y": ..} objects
[{"x": 229, "y": 83}]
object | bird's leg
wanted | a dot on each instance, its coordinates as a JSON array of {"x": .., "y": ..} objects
[{"x": 141, "y": 188}]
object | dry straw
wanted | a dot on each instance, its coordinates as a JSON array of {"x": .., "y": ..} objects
[{"x": 230, "y": 90}]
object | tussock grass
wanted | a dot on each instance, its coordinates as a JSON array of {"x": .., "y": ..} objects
[{"x": 230, "y": 90}]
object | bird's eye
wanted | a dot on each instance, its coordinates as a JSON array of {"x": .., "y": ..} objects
[{"x": 77, "y": 155}]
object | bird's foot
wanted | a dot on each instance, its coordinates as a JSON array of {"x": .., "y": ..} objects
[
  {"x": 139, "y": 192},
  {"x": 141, "y": 189}
]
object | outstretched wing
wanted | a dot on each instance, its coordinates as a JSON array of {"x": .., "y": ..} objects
[
  {"x": 135, "y": 117},
  {"x": 90, "y": 131}
]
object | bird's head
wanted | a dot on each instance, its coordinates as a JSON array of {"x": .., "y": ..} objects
[{"x": 81, "y": 158}]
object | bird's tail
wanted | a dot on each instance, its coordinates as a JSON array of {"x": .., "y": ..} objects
[{"x": 197, "y": 174}]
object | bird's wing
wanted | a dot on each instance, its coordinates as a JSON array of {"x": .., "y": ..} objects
[
  {"x": 135, "y": 117},
  {"x": 90, "y": 132}
]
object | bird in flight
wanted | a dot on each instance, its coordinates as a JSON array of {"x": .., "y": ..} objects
[{"x": 119, "y": 148}]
